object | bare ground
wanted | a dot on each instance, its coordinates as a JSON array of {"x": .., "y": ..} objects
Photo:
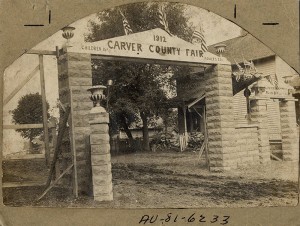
[{"x": 164, "y": 180}]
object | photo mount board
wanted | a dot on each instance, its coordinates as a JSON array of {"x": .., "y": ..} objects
[{"x": 63, "y": 13}]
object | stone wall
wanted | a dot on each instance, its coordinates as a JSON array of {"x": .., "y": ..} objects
[
  {"x": 247, "y": 145},
  {"x": 216, "y": 82},
  {"x": 289, "y": 131},
  {"x": 220, "y": 120},
  {"x": 100, "y": 155},
  {"x": 259, "y": 116},
  {"x": 75, "y": 77}
]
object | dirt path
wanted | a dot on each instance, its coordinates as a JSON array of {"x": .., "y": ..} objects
[
  {"x": 171, "y": 189},
  {"x": 165, "y": 180}
]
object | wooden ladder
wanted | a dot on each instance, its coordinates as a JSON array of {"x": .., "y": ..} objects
[{"x": 61, "y": 131}]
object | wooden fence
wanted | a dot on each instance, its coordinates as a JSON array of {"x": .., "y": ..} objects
[
  {"x": 52, "y": 128},
  {"x": 122, "y": 146}
]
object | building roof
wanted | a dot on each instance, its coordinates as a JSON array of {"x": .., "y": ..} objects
[
  {"x": 295, "y": 81},
  {"x": 245, "y": 46}
]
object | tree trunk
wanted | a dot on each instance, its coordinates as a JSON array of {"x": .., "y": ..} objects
[
  {"x": 146, "y": 145},
  {"x": 127, "y": 131}
]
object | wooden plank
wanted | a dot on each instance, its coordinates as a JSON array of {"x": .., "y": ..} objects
[
  {"x": 184, "y": 123},
  {"x": 197, "y": 100},
  {"x": 276, "y": 158},
  {"x": 41, "y": 52},
  {"x": 20, "y": 86},
  {"x": 201, "y": 150},
  {"x": 23, "y": 126},
  {"x": 45, "y": 115},
  {"x": 206, "y": 139},
  {"x": 55, "y": 182},
  {"x": 22, "y": 184},
  {"x": 61, "y": 130},
  {"x": 26, "y": 126},
  {"x": 74, "y": 160},
  {"x": 20, "y": 155}
]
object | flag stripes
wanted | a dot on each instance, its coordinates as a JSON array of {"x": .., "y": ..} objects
[
  {"x": 126, "y": 26},
  {"x": 198, "y": 37},
  {"x": 163, "y": 18},
  {"x": 274, "y": 81}
]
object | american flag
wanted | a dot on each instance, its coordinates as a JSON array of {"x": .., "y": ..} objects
[
  {"x": 126, "y": 26},
  {"x": 163, "y": 18},
  {"x": 274, "y": 81},
  {"x": 198, "y": 37}
]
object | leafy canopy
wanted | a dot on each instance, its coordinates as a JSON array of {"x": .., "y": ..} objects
[
  {"x": 138, "y": 89},
  {"x": 29, "y": 111}
]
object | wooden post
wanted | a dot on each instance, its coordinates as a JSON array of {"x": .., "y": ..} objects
[
  {"x": 73, "y": 149},
  {"x": 54, "y": 141},
  {"x": 206, "y": 139},
  {"x": 185, "y": 135},
  {"x": 20, "y": 86},
  {"x": 45, "y": 118},
  {"x": 61, "y": 130}
]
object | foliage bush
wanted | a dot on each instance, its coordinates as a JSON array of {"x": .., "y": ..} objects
[{"x": 29, "y": 111}]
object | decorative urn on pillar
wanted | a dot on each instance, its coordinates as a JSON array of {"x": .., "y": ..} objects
[
  {"x": 100, "y": 147},
  {"x": 220, "y": 48},
  {"x": 97, "y": 96},
  {"x": 68, "y": 33}
]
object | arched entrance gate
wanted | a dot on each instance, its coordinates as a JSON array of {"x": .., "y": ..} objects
[{"x": 90, "y": 131}]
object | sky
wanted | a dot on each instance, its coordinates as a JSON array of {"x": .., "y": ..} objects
[{"x": 216, "y": 29}]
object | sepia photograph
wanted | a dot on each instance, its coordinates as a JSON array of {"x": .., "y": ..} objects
[{"x": 151, "y": 105}]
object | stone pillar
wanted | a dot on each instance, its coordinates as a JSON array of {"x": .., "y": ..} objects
[
  {"x": 259, "y": 116},
  {"x": 100, "y": 155},
  {"x": 220, "y": 120},
  {"x": 289, "y": 132},
  {"x": 75, "y": 77}
]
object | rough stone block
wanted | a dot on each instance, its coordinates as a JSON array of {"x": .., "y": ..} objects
[
  {"x": 77, "y": 106},
  {"x": 100, "y": 159},
  {"x": 104, "y": 198},
  {"x": 77, "y": 81},
  {"x": 80, "y": 90},
  {"x": 215, "y": 137},
  {"x": 79, "y": 65},
  {"x": 78, "y": 57},
  {"x": 102, "y": 179},
  {"x": 215, "y": 157},
  {"x": 217, "y": 169},
  {"x": 99, "y": 139},
  {"x": 80, "y": 121},
  {"x": 215, "y": 150},
  {"x": 212, "y": 86},
  {"x": 100, "y": 149},
  {"x": 225, "y": 92},
  {"x": 99, "y": 118},
  {"x": 229, "y": 143},
  {"x": 101, "y": 169},
  {"x": 216, "y": 163},
  {"x": 102, "y": 189},
  {"x": 99, "y": 128},
  {"x": 82, "y": 97}
]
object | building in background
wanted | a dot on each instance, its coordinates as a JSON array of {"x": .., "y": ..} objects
[{"x": 263, "y": 105}]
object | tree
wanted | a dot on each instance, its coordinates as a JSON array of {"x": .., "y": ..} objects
[
  {"x": 29, "y": 111},
  {"x": 138, "y": 88}
]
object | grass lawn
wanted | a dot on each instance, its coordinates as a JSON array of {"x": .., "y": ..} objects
[{"x": 163, "y": 180}]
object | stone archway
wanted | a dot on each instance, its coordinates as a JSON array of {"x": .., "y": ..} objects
[{"x": 75, "y": 77}]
